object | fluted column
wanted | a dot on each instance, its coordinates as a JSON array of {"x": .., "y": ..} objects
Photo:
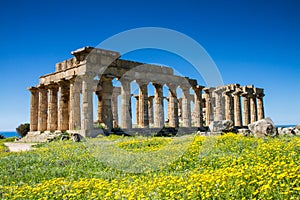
[
  {"x": 173, "y": 107},
  {"x": 208, "y": 104},
  {"x": 115, "y": 110},
  {"x": 150, "y": 110},
  {"x": 179, "y": 109},
  {"x": 219, "y": 104},
  {"x": 260, "y": 104},
  {"x": 143, "y": 105},
  {"x": 237, "y": 107},
  {"x": 87, "y": 102},
  {"x": 137, "y": 110},
  {"x": 253, "y": 108},
  {"x": 126, "y": 104},
  {"x": 246, "y": 109},
  {"x": 63, "y": 106},
  {"x": 34, "y": 108},
  {"x": 159, "y": 108},
  {"x": 52, "y": 108},
  {"x": 106, "y": 107},
  {"x": 74, "y": 109},
  {"x": 43, "y": 109},
  {"x": 198, "y": 113},
  {"x": 229, "y": 109},
  {"x": 186, "y": 108}
]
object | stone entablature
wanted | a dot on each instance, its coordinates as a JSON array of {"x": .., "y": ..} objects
[{"x": 63, "y": 100}]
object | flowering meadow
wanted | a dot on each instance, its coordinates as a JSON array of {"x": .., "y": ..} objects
[{"x": 189, "y": 167}]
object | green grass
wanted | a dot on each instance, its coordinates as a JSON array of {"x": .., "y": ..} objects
[{"x": 189, "y": 167}]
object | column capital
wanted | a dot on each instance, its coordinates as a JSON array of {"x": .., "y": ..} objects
[
  {"x": 228, "y": 92},
  {"x": 237, "y": 92},
  {"x": 246, "y": 94},
  {"x": 53, "y": 86},
  {"x": 33, "y": 89},
  {"x": 260, "y": 96},
  {"x": 198, "y": 87},
  {"x": 42, "y": 88},
  {"x": 150, "y": 98},
  {"x": 219, "y": 90},
  {"x": 63, "y": 82},
  {"x": 158, "y": 84},
  {"x": 208, "y": 90},
  {"x": 259, "y": 92}
]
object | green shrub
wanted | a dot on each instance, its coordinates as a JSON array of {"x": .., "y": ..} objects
[{"x": 23, "y": 129}]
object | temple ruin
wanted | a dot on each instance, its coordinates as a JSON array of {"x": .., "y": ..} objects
[{"x": 63, "y": 100}]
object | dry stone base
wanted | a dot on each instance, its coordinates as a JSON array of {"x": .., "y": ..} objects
[
  {"x": 263, "y": 127},
  {"x": 37, "y": 136}
]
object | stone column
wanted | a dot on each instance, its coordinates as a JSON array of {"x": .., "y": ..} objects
[
  {"x": 137, "y": 110},
  {"x": 219, "y": 104},
  {"x": 253, "y": 108},
  {"x": 159, "y": 106},
  {"x": 34, "y": 108},
  {"x": 260, "y": 104},
  {"x": 43, "y": 108},
  {"x": 126, "y": 104},
  {"x": 143, "y": 105},
  {"x": 246, "y": 108},
  {"x": 198, "y": 114},
  {"x": 99, "y": 95},
  {"x": 52, "y": 107},
  {"x": 74, "y": 107},
  {"x": 237, "y": 107},
  {"x": 186, "y": 107},
  {"x": 115, "y": 105},
  {"x": 208, "y": 104},
  {"x": 150, "y": 110},
  {"x": 87, "y": 102},
  {"x": 179, "y": 109},
  {"x": 229, "y": 109},
  {"x": 106, "y": 107},
  {"x": 63, "y": 107},
  {"x": 173, "y": 107}
]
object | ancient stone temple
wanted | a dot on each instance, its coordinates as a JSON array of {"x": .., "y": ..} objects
[{"x": 63, "y": 100}]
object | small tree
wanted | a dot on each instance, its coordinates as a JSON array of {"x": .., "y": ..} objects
[
  {"x": 23, "y": 129},
  {"x": 2, "y": 137}
]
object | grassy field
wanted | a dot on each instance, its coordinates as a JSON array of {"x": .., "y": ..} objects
[{"x": 190, "y": 167}]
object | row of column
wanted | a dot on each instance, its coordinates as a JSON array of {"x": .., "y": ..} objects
[
  {"x": 224, "y": 103},
  {"x": 148, "y": 113},
  {"x": 55, "y": 106}
]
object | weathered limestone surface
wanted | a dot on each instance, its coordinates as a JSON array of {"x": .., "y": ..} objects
[
  {"x": 150, "y": 111},
  {"x": 63, "y": 100},
  {"x": 63, "y": 106},
  {"x": 34, "y": 108},
  {"x": 143, "y": 105},
  {"x": 237, "y": 107},
  {"x": 159, "y": 106},
  {"x": 52, "y": 108},
  {"x": 43, "y": 109},
  {"x": 263, "y": 127},
  {"x": 186, "y": 108},
  {"x": 126, "y": 104},
  {"x": 221, "y": 126}
]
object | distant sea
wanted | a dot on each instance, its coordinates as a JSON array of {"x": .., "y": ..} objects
[{"x": 9, "y": 134}]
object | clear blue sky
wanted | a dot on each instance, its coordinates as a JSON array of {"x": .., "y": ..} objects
[{"x": 252, "y": 42}]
